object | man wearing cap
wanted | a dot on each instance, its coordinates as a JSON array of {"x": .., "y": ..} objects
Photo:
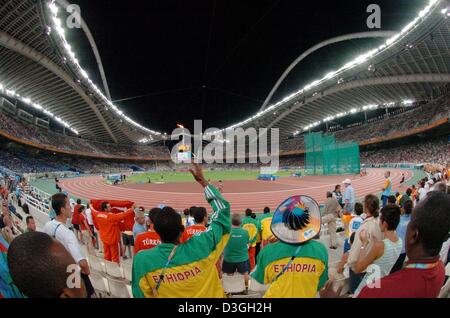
[
  {"x": 295, "y": 266},
  {"x": 349, "y": 196}
]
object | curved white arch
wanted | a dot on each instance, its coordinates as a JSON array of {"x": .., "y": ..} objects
[
  {"x": 21, "y": 48},
  {"x": 87, "y": 31},
  {"x": 402, "y": 79},
  {"x": 341, "y": 38}
]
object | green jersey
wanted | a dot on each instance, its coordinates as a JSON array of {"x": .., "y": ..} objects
[{"x": 236, "y": 250}]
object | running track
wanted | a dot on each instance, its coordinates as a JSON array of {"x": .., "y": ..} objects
[{"x": 243, "y": 194}]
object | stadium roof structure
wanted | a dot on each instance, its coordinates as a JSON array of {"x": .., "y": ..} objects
[
  {"x": 413, "y": 65},
  {"x": 38, "y": 66}
]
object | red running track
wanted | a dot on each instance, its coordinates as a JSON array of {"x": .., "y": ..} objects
[{"x": 242, "y": 194}]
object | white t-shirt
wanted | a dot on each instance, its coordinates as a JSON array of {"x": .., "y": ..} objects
[
  {"x": 66, "y": 237},
  {"x": 354, "y": 225},
  {"x": 89, "y": 216},
  {"x": 422, "y": 193}
]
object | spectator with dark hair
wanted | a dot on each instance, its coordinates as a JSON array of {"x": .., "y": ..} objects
[
  {"x": 184, "y": 270},
  {"x": 338, "y": 195},
  {"x": 76, "y": 221},
  {"x": 41, "y": 268},
  {"x": 86, "y": 231},
  {"x": 7, "y": 287},
  {"x": 186, "y": 216},
  {"x": 329, "y": 217},
  {"x": 108, "y": 224},
  {"x": 383, "y": 254},
  {"x": 392, "y": 199},
  {"x": 251, "y": 226},
  {"x": 402, "y": 198},
  {"x": 149, "y": 239},
  {"x": 424, "y": 273},
  {"x": 405, "y": 218},
  {"x": 372, "y": 227},
  {"x": 190, "y": 219},
  {"x": 31, "y": 224},
  {"x": 57, "y": 229},
  {"x": 355, "y": 223},
  {"x": 201, "y": 220},
  {"x": 265, "y": 223},
  {"x": 235, "y": 255}
]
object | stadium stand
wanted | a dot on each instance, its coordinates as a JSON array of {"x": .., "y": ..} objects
[{"x": 383, "y": 136}]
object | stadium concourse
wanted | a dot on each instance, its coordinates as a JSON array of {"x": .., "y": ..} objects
[{"x": 242, "y": 194}]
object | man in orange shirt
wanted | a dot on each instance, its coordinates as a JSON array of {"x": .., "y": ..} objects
[
  {"x": 108, "y": 226},
  {"x": 149, "y": 239},
  {"x": 201, "y": 219}
]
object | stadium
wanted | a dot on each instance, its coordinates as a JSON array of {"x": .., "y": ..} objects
[{"x": 374, "y": 133}]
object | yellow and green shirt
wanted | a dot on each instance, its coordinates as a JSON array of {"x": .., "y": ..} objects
[
  {"x": 251, "y": 226},
  {"x": 304, "y": 277},
  {"x": 266, "y": 222},
  {"x": 192, "y": 272}
]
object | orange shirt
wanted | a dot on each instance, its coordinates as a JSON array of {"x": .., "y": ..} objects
[
  {"x": 109, "y": 225},
  {"x": 190, "y": 231},
  {"x": 146, "y": 241}
]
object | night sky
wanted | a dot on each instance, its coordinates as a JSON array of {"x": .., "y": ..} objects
[{"x": 217, "y": 60}]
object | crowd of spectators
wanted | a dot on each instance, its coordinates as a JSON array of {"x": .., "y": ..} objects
[
  {"x": 383, "y": 125},
  {"x": 433, "y": 152},
  {"x": 405, "y": 241},
  {"x": 48, "y": 138}
]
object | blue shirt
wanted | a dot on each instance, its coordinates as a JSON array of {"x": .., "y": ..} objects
[
  {"x": 349, "y": 194},
  {"x": 138, "y": 228},
  {"x": 401, "y": 229}
]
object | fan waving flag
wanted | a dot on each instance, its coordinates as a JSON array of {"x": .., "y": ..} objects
[{"x": 116, "y": 207}]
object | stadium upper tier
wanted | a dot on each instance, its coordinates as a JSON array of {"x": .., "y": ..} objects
[
  {"x": 34, "y": 136},
  {"x": 414, "y": 65},
  {"x": 39, "y": 67},
  {"x": 376, "y": 129},
  {"x": 388, "y": 126}
]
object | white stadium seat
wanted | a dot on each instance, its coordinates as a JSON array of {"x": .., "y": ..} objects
[
  {"x": 233, "y": 284},
  {"x": 113, "y": 269},
  {"x": 100, "y": 284},
  {"x": 127, "y": 269},
  {"x": 96, "y": 264},
  {"x": 118, "y": 288}
]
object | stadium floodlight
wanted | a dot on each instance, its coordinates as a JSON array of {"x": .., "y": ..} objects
[
  {"x": 408, "y": 102},
  {"x": 1, "y": 87},
  {"x": 53, "y": 8},
  {"x": 354, "y": 110},
  {"x": 10, "y": 92},
  {"x": 26, "y": 100},
  {"x": 444, "y": 11},
  {"x": 84, "y": 74}
]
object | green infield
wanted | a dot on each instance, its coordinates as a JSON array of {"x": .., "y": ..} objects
[{"x": 167, "y": 177}]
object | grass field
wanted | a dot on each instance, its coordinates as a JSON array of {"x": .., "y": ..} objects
[{"x": 187, "y": 177}]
